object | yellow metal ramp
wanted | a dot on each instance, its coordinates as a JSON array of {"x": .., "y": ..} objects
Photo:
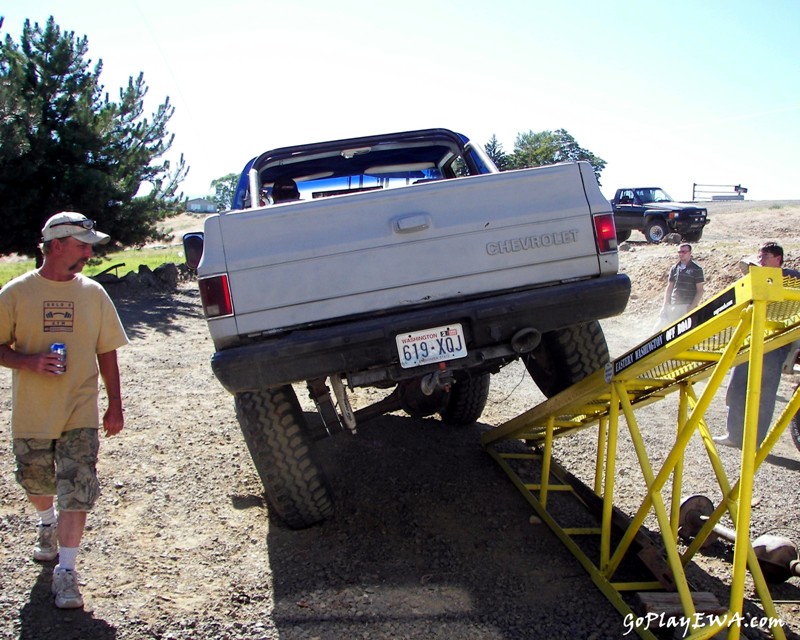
[{"x": 756, "y": 314}]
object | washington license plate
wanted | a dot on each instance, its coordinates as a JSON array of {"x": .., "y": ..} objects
[{"x": 431, "y": 345}]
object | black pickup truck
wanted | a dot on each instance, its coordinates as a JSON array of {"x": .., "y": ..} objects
[{"x": 651, "y": 211}]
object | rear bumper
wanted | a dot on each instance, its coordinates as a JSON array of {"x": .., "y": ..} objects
[{"x": 365, "y": 347}]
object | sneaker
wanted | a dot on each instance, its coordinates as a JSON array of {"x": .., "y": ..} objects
[
  {"x": 725, "y": 441},
  {"x": 66, "y": 590},
  {"x": 46, "y": 548}
]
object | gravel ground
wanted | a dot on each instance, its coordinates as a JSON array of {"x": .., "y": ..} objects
[{"x": 429, "y": 540}]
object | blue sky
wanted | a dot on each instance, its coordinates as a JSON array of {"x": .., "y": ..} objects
[{"x": 668, "y": 94}]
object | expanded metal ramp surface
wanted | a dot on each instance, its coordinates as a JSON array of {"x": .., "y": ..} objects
[{"x": 756, "y": 314}]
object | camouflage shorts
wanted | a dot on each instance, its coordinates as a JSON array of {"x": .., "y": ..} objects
[{"x": 66, "y": 468}]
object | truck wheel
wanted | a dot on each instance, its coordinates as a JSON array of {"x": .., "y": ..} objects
[
  {"x": 622, "y": 236},
  {"x": 655, "y": 230},
  {"x": 794, "y": 428},
  {"x": 466, "y": 400},
  {"x": 417, "y": 404},
  {"x": 276, "y": 434},
  {"x": 567, "y": 356},
  {"x": 692, "y": 236}
]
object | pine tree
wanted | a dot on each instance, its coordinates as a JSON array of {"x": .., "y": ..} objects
[
  {"x": 65, "y": 146},
  {"x": 494, "y": 150}
]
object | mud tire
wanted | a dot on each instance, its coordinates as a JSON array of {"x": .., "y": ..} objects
[
  {"x": 794, "y": 428},
  {"x": 567, "y": 356},
  {"x": 276, "y": 434},
  {"x": 467, "y": 400}
]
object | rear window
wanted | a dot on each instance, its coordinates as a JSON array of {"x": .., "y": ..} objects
[
  {"x": 327, "y": 169},
  {"x": 386, "y": 178}
]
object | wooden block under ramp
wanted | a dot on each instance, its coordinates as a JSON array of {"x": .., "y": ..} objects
[
  {"x": 661, "y": 610},
  {"x": 669, "y": 603}
]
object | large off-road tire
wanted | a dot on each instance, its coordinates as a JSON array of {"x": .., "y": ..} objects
[
  {"x": 692, "y": 236},
  {"x": 466, "y": 400},
  {"x": 622, "y": 236},
  {"x": 567, "y": 356},
  {"x": 655, "y": 230},
  {"x": 794, "y": 428},
  {"x": 415, "y": 403},
  {"x": 276, "y": 434}
]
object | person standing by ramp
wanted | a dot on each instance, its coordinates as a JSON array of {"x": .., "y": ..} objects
[
  {"x": 685, "y": 284},
  {"x": 770, "y": 254}
]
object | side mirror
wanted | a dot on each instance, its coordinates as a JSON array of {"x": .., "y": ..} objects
[{"x": 193, "y": 248}]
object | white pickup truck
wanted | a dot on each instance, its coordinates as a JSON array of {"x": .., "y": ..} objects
[{"x": 402, "y": 261}]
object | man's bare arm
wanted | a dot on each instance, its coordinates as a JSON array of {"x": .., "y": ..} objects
[{"x": 113, "y": 419}]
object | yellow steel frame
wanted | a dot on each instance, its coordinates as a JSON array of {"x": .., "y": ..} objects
[{"x": 756, "y": 314}]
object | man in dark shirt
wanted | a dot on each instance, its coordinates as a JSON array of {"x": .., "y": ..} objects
[{"x": 685, "y": 285}]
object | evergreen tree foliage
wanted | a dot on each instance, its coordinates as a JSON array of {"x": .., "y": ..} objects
[
  {"x": 551, "y": 147},
  {"x": 494, "y": 150},
  {"x": 65, "y": 146}
]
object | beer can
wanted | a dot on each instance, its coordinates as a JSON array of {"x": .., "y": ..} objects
[{"x": 61, "y": 349}]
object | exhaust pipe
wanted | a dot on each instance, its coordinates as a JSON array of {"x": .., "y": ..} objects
[{"x": 525, "y": 340}]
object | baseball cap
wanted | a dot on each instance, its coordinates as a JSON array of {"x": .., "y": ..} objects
[{"x": 77, "y": 225}]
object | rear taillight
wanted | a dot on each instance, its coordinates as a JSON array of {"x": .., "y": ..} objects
[
  {"x": 605, "y": 232},
  {"x": 215, "y": 294}
]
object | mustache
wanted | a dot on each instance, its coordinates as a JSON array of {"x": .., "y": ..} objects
[{"x": 80, "y": 264}]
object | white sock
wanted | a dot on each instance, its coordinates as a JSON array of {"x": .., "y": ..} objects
[
  {"x": 67, "y": 557},
  {"x": 48, "y": 516}
]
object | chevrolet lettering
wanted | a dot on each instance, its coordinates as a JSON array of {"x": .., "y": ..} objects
[{"x": 527, "y": 243}]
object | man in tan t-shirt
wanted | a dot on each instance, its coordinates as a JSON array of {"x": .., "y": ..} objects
[{"x": 55, "y": 418}]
